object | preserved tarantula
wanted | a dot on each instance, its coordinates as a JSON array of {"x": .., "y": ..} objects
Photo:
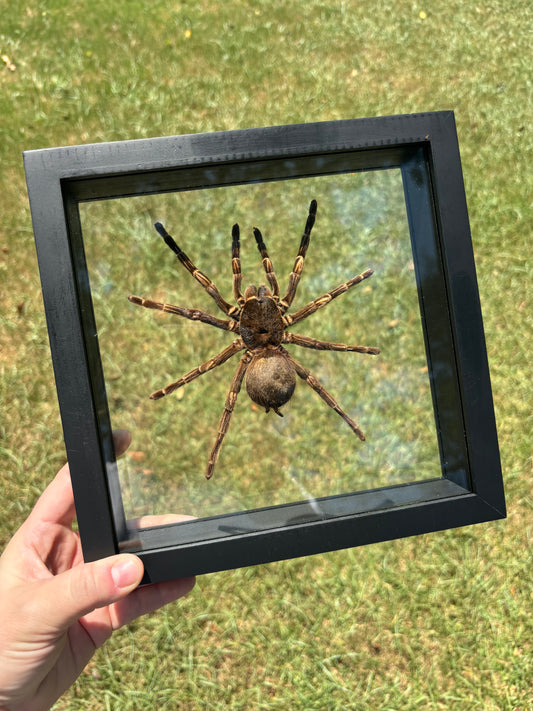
[{"x": 260, "y": 320}]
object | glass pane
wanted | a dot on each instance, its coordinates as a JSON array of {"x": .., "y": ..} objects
[{"x": 265, "y": 459}]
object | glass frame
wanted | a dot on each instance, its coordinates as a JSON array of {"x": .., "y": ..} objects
[{"x": 425, "y": 148}]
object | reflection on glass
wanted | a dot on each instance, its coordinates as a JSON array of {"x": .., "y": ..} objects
[{"x": 265, "y": 460}]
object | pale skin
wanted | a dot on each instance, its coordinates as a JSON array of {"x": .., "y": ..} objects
[{"x": 55, "y": 609}]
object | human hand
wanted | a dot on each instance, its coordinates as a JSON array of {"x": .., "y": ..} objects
[{"x": 57, "y": 610}]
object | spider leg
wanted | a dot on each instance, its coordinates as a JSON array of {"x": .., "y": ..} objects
[
  {"x": 201, "y": 278},
  {"x": 321, "y": 301},
  {"x": 294, "y": 277},
  {"x": 267, "y": 264},
  {"x": 236, "y": 265},
  {"x": 328, "y": 399},
  {"x": 231, "y": 399},
  {"x": 192, "y": 314},
  {"x": 213, "y": 362},
  {"x": 317, "y": 345}
]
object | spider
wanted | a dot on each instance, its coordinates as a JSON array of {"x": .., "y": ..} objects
[{"x": 260, "y": 319}]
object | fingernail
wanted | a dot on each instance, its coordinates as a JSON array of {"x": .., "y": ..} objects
[{"x": 125, "y": 572}]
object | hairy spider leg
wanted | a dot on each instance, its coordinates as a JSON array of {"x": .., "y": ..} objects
[
  {"x": 317, "y": 345},
  {"x": 236, "y": 265},
  {"x": 328, "y": 399},
  {"x": 213, "y": 362},
  {"x": 267, "y": 264},
  {"x": 191, "y": 314},
  {"x": 231, "y": 399},
  {"x": 294, "y": 277},
  {"x": 321, "y": 301},
  {"x": 201, "y": 278}
]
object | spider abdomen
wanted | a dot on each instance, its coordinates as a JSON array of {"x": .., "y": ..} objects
[{"x": 270, "y": 379}]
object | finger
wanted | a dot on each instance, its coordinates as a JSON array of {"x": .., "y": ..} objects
[
  {"x": 149, "y": 598},
  {"x": 150, "y": 520},
  {"x": 56, "y": 503},
  {"x": 121, "y": 441},
  {"x": 78, "y": 591}
]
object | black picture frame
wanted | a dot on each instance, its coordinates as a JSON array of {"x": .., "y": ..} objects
[{"x": 425, "y": 148}]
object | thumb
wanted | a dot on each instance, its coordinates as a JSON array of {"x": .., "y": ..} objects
[{"x": 80, "y": 590}]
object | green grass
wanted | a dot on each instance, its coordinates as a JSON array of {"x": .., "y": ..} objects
[{"x": 438, "y": 622}]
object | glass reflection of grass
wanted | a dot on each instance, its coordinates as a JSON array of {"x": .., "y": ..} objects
[{"x": 265, "y": 460}]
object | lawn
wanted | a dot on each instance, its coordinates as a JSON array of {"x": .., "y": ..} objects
[{"x": 441, "y": 621}]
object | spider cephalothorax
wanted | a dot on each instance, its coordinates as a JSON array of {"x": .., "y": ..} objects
[{"x": 260, "y": 320}]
